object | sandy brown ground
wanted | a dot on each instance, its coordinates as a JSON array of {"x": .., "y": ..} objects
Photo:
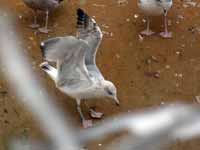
[{"x": 122, "y": 57}]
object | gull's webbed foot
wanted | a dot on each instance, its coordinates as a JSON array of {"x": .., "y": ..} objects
[
  {"x": 166, "y": 35},
  {"x": 44, "y": 30},
  {"x": 94, "y": 114},
  {"x": 147, "y": 32}
]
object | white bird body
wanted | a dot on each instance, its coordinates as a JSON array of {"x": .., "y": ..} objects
[
  {"x": 77, "y": 74},
  {"x": 81, "y": 91},
  {"x": 154, "y": 7},
  {"x": 94, "y": 91}
]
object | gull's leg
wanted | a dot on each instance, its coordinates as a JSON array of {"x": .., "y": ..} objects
[
  {"x": 35, "y": 24},
  {"x": 166, "y": 34},
  {"x": 85, "y": 123},
  {"x": 45, "y": 28},
  {"x": 147, "y": 32}
]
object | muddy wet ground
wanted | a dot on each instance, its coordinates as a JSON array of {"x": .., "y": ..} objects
[{"x": 147, "y": 72}]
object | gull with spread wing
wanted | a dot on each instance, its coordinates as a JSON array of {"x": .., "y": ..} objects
[{"x": 77, "y": 74}]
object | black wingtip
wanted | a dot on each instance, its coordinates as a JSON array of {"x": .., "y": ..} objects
[
  {"x": 80, "y": 12},
  {"x": 81, "y": 17}
]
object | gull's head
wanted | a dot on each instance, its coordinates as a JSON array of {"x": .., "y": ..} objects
[{"x": 111, "y": 91}]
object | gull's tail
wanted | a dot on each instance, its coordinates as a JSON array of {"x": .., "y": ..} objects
[
  {"x": 45, "y": 66},
  {"x": 51, "y": 71}
]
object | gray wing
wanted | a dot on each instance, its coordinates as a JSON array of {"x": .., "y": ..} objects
[
  {"x": 69, "y": 53},
  {"x": 94, "y": 71},
  {"x": 50, "y": 50},
  {"x": 89, "y": 31}
]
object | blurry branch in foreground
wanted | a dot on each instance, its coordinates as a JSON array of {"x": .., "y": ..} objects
[
  {"x": 150, "y": 129},
  {"x": 28, "y": 88}
]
